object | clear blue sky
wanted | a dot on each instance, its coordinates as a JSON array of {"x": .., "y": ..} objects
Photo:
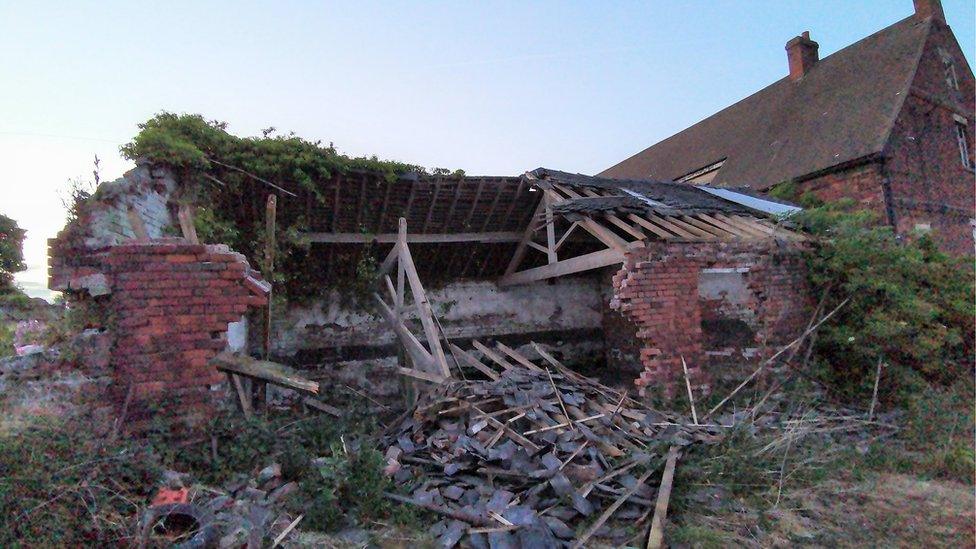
[{"x": 493, "y": 88}]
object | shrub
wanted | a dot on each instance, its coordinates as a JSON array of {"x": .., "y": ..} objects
[
  {"x": 910, "y": 304},
  {"x": 11, "y": 252}
]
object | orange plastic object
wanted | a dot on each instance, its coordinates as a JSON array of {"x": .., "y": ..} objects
[{"x": 166, "y": 495}]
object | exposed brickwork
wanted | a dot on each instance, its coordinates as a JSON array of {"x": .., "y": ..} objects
[
  {"x": 658, "y": 290},
  {"x": 172, "y": 302},
  {"x": 928, "y": 185}
]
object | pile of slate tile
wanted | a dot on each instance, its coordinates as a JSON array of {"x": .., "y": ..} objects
[{"x": 532, "y": 457}]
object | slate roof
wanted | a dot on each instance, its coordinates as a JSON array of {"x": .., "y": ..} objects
[
  {"x": 671, "y": 198},
  {"x": 842, "y": 110}
]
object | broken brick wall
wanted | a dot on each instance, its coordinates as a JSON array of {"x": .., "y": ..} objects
[
  {"x": 660, "y": 290},
  {"x": 170, "y": 303}
]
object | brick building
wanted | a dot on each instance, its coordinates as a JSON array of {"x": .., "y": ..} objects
[{"x": 888, "y": 121}]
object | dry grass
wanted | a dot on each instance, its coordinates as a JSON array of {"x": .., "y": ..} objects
[{"x": 885, "y": 510}]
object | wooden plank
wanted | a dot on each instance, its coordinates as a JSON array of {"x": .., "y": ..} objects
[
  {"x": 581, "y": 541},
  {"x": 264, "y": 370},
  {"x": 742, "y": 226},
  {"x": 389, "y": 262},
  {"x": 723, "y": 225},
  {"x": 495, "y": 357},
  {"x": 627, "y": 227},
  {"x": 520, "y": 250},
  {"x": 420, "y": 374},
  {"x": 698, "y": 233},
  {"x": 189, "y": 230},
  {"x": 656, "y": 537},
  {"x": 417, "y": 238},
  {"x": 470, "y": 360},
  {"x": 423, "y": 307},
  {"x": 666, "y": 224},
  {"x": 242, "y": 395},
  {"x": 651, "y": 227},
  {"x": 586, "y": 262},
  {"x": 721, "y": 233},
  {"x": 322, "y": 407},
  {"x": 551, "y": 256},
  {"x": 518, "y": 357},
  {"x": 420, "y": 357},
  {"x": 568, "y": 232}
]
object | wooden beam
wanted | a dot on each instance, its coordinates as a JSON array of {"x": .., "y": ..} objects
[
  {"x": 656, "y": 537},
  {"x": 413, "y": 238},
  {"x": 263, "y": 370},
  {"x": 517, "y": 357},
  {"x": 419, "y": 374},
  {"x": 566, "y": 234},
  {"x": 720, "y": 233},
  {"x": 495, "y": 357},
  {"x": 698, "y": 233},
  {"x": 423, "y": 306},
  {"x": 585, "y": 262},
  {"x": 666, "y": 223},
  {"x": 470, "y": 360},
  {"x": 551, "y": 256},
  {"x": 743, "y": 226},
  {"x": 520, "y": 250},
  {"x": 725, "y": 226},
  {"x": 420, "y": 357},
  {"x": 651, "y": 227}
]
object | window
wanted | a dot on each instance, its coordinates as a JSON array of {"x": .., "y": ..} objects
[
  {"x": 962, "y": 139},
  {"x": 702, "y": 176},
  {"x": 950, "y": 70},
  {"x": 950, "y": 76}
]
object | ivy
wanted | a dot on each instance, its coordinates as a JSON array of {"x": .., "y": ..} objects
[
  {"x": 911, "y": 305},
  {"x": 224, "y": 175}
]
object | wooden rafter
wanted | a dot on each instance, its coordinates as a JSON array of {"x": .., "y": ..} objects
[{"x": 431, "y": 361}]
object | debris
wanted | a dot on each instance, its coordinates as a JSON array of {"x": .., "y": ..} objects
[
  {"x": 265, "y": 371},
  {"x": 656, "y": 537},
  {"x": 531, "y": 452}
]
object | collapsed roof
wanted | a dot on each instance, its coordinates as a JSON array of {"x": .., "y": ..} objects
[{"x": 484, "y": 227}]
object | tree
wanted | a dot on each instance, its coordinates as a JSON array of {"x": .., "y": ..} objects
[{"x": 11, "y": 252}]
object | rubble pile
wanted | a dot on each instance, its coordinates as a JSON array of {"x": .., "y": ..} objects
[{"x": 530, "y": 458}]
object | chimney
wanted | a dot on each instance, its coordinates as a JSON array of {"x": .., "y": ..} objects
[
  {"x": 802, "y": 54},
  {"x": 929, "y": 8}
]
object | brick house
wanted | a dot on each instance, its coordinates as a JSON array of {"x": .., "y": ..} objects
[{"x": 888, "y": 121}]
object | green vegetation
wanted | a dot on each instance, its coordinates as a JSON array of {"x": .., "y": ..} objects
[
  {"x": 11, "y": 253},
  {"x": 228, "y": 178},
  {"x": 60, "y": 486},
  {"x": 910, "y": 304}
]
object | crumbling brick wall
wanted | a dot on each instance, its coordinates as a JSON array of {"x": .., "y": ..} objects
[
  {"x": 658, "y": 290},
  {"x": 171, "y": 302}
]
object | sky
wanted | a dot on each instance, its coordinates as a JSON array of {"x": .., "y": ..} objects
[{"x": 493, "y": 88}]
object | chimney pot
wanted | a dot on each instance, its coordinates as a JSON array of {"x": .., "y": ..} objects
[
  {"x": 802, "y": 53},
  {"x": 929, "y": 8}
]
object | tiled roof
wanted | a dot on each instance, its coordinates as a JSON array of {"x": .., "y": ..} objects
[{"x": 842, "y": 110}]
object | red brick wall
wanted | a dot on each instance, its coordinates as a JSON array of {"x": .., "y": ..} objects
[
  {"x": 657, "y": 290},
  {"x": 927, "y": 180},
  {"x": 171, "y": 302}
]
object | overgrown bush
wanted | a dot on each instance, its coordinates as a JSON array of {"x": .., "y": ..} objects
[
  {"x": 11, "y": 252},
  {"x": 228, "y": 177},
  {"x": 910, "y": 304}
]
